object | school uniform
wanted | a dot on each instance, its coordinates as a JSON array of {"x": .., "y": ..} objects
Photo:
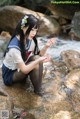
[{"x": 13, "y": 56}]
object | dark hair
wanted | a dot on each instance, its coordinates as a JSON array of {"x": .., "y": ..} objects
[{"x": 31, "y": 21}]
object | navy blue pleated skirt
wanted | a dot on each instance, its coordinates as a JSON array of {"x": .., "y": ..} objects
[{"x": 7, "y": 75}]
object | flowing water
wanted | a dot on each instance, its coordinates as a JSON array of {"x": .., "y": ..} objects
[
  {"x": 59, "y": 46},
  {"x": 55, "y": 50}
]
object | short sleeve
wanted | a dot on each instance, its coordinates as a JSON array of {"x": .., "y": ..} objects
[{"x": 16, "y": 55}]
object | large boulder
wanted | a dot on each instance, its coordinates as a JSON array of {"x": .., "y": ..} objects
[
  {"x": 12, "y": 14},
  {"x": 46, "y": 7},
  {"x": 72, "y": 88},
  {"x": 71, "y": 58}
]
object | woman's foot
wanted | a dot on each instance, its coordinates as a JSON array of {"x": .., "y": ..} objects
[{"x": 40, "y": 93}]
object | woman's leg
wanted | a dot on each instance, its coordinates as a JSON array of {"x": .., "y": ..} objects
[
  {"x": 36, "y": 75},
  {"x": 19, "y": 77}
]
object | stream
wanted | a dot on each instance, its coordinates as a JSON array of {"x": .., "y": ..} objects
[
  {"x": 59, "y": 46},
  {"x": 55, "y": 50}
]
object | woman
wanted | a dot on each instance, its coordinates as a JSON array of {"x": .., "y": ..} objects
[{"x": 23, "y": 57}]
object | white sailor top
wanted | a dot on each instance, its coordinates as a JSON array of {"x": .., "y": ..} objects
[{"x": 13, "y": 56}]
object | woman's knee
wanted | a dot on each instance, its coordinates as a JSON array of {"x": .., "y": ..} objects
[
  {"x": 35, "y": 57},
  {"x": 40, "y": 64}
]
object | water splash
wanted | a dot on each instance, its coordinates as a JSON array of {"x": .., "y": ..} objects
[{"x": 60, "y": 45}]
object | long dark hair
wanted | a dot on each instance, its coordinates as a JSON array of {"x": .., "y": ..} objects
[{"x": 31, "y": 22}]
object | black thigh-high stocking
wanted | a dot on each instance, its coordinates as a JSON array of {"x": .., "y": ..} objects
[
  {"x": 19, "y": 77},
  {"x": 36, "y": 75}
]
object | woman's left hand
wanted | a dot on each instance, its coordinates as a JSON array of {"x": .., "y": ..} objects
[{"x": 50, "y": 42}]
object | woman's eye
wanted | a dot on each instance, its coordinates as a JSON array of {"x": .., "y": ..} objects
[{"x": 34, "y": 30}]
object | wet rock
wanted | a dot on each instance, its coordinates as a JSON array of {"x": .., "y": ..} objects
[
  {"x": 72, "y": 82},
  {"x": 6, "y": 104},
  {"x": 62, "y": 115},
  {"x": 71, "y": 58},
  {"x": 53, "y": 103}
]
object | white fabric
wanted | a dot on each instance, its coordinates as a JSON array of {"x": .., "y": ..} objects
[
  {"x": 32, "y": 46},
  {"x": 13, "y": 56}
]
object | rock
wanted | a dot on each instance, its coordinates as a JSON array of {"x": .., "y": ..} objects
[
  {"x": 5, "y": 34},
  {"x": 72, "y": 79},
  {"x": 62, "y": 115},
  {"x": 71, "y": 58},
  {"x": 53, "y": 103},
  {"x": 76, "y": 26},
  {"x": 14, "y": 13},
  {"x": 72, "y": 82},
  {"x": 63, "y": 10},
  {"x": 5, "y": 103}
]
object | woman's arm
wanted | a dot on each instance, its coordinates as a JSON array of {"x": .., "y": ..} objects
[
  {"x": 43, "y": 50},
  {"x": 27, "y": 68},
  {"x": 48, "y": 44}
]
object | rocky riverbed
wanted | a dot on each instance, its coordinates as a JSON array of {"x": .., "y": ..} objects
[{"x": 61, "y": 84}]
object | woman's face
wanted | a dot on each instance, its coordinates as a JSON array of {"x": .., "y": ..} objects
[{"x": 32, "y": 33}]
